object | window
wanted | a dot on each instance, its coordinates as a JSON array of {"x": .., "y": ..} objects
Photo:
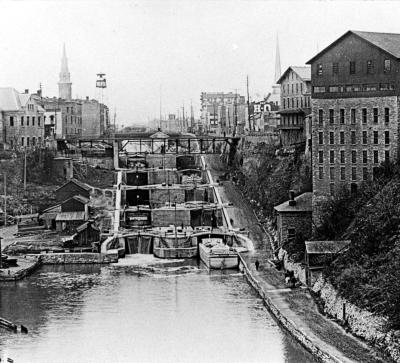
[
  {"x": 353, "y": 137},
  {"x": 353, "y": 115},
  {"x": 376, "y": 157},
  {"x": 342, "y": 157},
  {"x": 353, "y": 173},
  {"x": 342, "y": 115},
  {"x": 387, "y": 156},
  {"x": 331, "y": 118},
  {"x": 375, "y": 173},
  {"x": 320, "y": 156},
  {"x": 387, "y": 138},
  {"x": 22, "y": 141},
  {"x": 364, "y": 115},
  {"x": 386, "y": 115},
  {"x": 353, "y": 188},
  {"x": 319, "y": 89},
  {"x": 33, "y": 141},
  {"x": 332, "y": 173},
  {"x": 364, "y": 137},
  {"x": 386, "y": 66},
  {"x": 341, "y": 135},
  {"x": 375, "y": 137},
  {"x": 319, "y": 69},
  {"x": 352, "y": 67},
  {"x": 365, "y": 173},
  {"x": 27, "y": 120},
  {"x": 320, "y": 138},
  {"x": 22, "y": 120},
  {"x": 331, "y": 138},
  {"x": 365, "y": 156},
  {"x": 38, "y": 120},
  {"x": 370, "y": 67},
  {"x": 375, "y": 115},
  {"x": 353, "y": 156},
  {"x": 332, "y": 156},
  {"x": 11, "y": 120},
  {"x": 33, "y": 120},
  {"x": 332, "y": 188},
  {"x": 27, "y": 141},
  {"x": 320, "y": 173},
  {"x": 335, "y": 68},
  {"x": 321, "y": 117},
  {"x": 334, "y": 89},
  {"x": 342, "y": 173},
  {"x": 291, "y": 233}
]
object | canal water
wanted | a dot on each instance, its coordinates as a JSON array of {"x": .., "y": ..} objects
[{"x": 105, "y": 314}]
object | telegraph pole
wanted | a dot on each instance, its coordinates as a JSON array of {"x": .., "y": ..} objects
[
  {"x": 5, "y": 200},
  {"x": 25, "y": 169},
  {"x": 248, "y": 103}
]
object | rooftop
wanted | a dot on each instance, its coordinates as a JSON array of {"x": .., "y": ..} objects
[
  {"x": 304, "y": 72},
  {"x": 70, "y": 216},
  {"x": 303, "y": 204},
  {"x": 326, "y": 247}
]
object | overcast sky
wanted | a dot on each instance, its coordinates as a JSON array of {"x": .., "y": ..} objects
[{"x": 185, "y": 46}]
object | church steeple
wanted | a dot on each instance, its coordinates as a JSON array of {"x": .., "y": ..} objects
[{"x": 64, "y": 84}]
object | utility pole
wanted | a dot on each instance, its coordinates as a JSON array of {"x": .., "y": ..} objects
[
  {"x": 25, "y": 169},
  {"x": 248, "y": 103},
  {"x": 160, "y": 107},
  {"x": 5, "y": 201},
  {"x": 235, "y": 118}
]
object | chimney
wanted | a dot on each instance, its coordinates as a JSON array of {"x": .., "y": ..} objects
[
  {"x": 26, "y": 90},
  {"x": 292, "y": 202}
]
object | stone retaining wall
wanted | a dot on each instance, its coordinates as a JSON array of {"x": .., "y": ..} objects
[
  {"x": 77, "y": 258},
  {"x": 298, "y": 269},
  {"x": 303, "y": 339},
  {"x": 361, "y": 322}
]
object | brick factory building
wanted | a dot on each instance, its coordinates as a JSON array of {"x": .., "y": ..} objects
[{"x": 355, "y": 110}]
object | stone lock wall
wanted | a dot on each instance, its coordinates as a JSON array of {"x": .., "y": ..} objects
[
  {"x": 158, "y": 197},
  {"x": 166, "y": 217},
  {"x": 159, "y": 176}
]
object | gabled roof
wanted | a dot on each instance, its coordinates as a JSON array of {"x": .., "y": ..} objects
[
  {"x": 78, "y": 198},
  {"x": 159, "y": 135},
  {"x": 388, "y": 42},
  {"x": 70, "y": 216},
  {"x": 304, "y": 72},
  {"x": 9, "y": 99},
  {"x": 303, "y": 204},
  {"x": 76, "y": 182}
]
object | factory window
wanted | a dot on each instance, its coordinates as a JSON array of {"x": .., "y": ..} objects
[
  {"x": 375, "y": 137},
  {"x": 332, "y": 173},
  {"x": 375, "y": 115},
  {"x": 341, "y": 136},
  {"x": 27, "y": 141},
  {"x": 335, "y": 68},
  {"x": 11, "y": 120},
  {"x": 376, "y": 157},
  {"x": 27, "y": 120},
  {"x": 342, "y": 173},
  {"x": 387, "y": 138},
  {"x": 332, "y": 156},
  {"x": 353, "y": 115},
  {"x": 353, "y": 173},
  {"x": 342, "y": 157},
  {"x": 365, "y": 156},
  {"x": 353, "y": 156},
  {"x": 33, "y": 120},
  {"x": 365, "y": 174},
  {"x": 370, "y": 67},
  {"x": 331, "y": 138},
  {"x": 352, "y": 67},
  {"x": 320, "y": 156},
  {"x": 331, "y": 116},
  {"x": 33, "y": 141},
  {"x": 342, "y": 115},
  {"x": 321, "y": 117},
  {"x": 22, "y": 141},
  {"x": 320, "y": 173},
  {"x": 22, "y": 120},
  {"x": 387, "y": 156},
  {"x": 386, "y": 115},
  {"x": 320, "y": 138},
  {"x": 353, "y": 188},
  {"x": 353, "y": 137},
  {"x": 332, "y": 188},
  {"x": 364, "y": 115},
  {"x": 387, "y": 66},
  {"x": 364, "y": 137},
  {"x": 38, "y": 120}
]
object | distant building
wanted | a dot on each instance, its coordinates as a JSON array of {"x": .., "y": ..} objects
[
  {"x": 64, "y": 84},
  {"x": 355, "y": 108},
  {"x": 95, "y": 118},
  {"x": 22, "y": 119},
  {"x": 295, "y": 104},
  {"x": 71, "y": 189},
  {"x": 223, "y": 112},
  {"x": 264, "y": 115}
]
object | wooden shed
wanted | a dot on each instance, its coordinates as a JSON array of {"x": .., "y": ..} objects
[
  {"x": 71, "y": 188},
  {"x": 67, "y": 222}
]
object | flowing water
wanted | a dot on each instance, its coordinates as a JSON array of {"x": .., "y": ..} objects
[{"x": 104, "y": 314}]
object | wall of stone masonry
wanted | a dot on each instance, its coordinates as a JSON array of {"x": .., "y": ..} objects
[
  {"x": 77, "y": 258},
  {"x": 361, "y": 322},
  {"x": 165, "y": 161},
  {"x": 166, "y": 217},
  {"x": 322, "y": 187},
  {"x": 301, "y": 222},
  {"x": 159, "y": 176},
  {"x": 158, "y": 197}
]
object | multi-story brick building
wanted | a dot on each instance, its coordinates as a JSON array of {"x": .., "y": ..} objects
[
  {"x": 22, "y": 119},
  {"x": 95, "y": 118},
  {"x": 355, "y": 110},
  {"x": 295, "y": 103}
]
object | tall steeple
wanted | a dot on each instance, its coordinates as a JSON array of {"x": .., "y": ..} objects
[
  {"x": 64, "y": 84},
  {"x": 277, "y": 61}
]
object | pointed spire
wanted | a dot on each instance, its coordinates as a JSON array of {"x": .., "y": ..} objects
[
  {"x": 64, "y": 84},
  {"x": 277, "y": 60}
]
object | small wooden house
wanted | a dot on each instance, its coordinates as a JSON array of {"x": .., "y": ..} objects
[
  {"x": 67, "y": 222},
  {"x": 77, "y": 203},
  {"x": 86, "y": 235},
  {"x": 48, "y": 217},
  {"x": 71, "y": 188}
]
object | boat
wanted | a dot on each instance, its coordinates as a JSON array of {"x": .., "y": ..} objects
[{"x": 217, "y": 255}]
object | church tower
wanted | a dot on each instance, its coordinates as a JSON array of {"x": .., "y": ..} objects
[
  {"x": 64, "y": 84},
  {"x": 276, "y": 88}
]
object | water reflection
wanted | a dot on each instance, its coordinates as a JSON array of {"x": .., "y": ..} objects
[{"x": 93, "y": 314}]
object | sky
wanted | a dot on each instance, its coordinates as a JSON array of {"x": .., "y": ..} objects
[{"x": 181, "y": 48}]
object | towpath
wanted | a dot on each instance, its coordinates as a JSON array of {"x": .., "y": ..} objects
[{"x": 296, "y": 305}]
